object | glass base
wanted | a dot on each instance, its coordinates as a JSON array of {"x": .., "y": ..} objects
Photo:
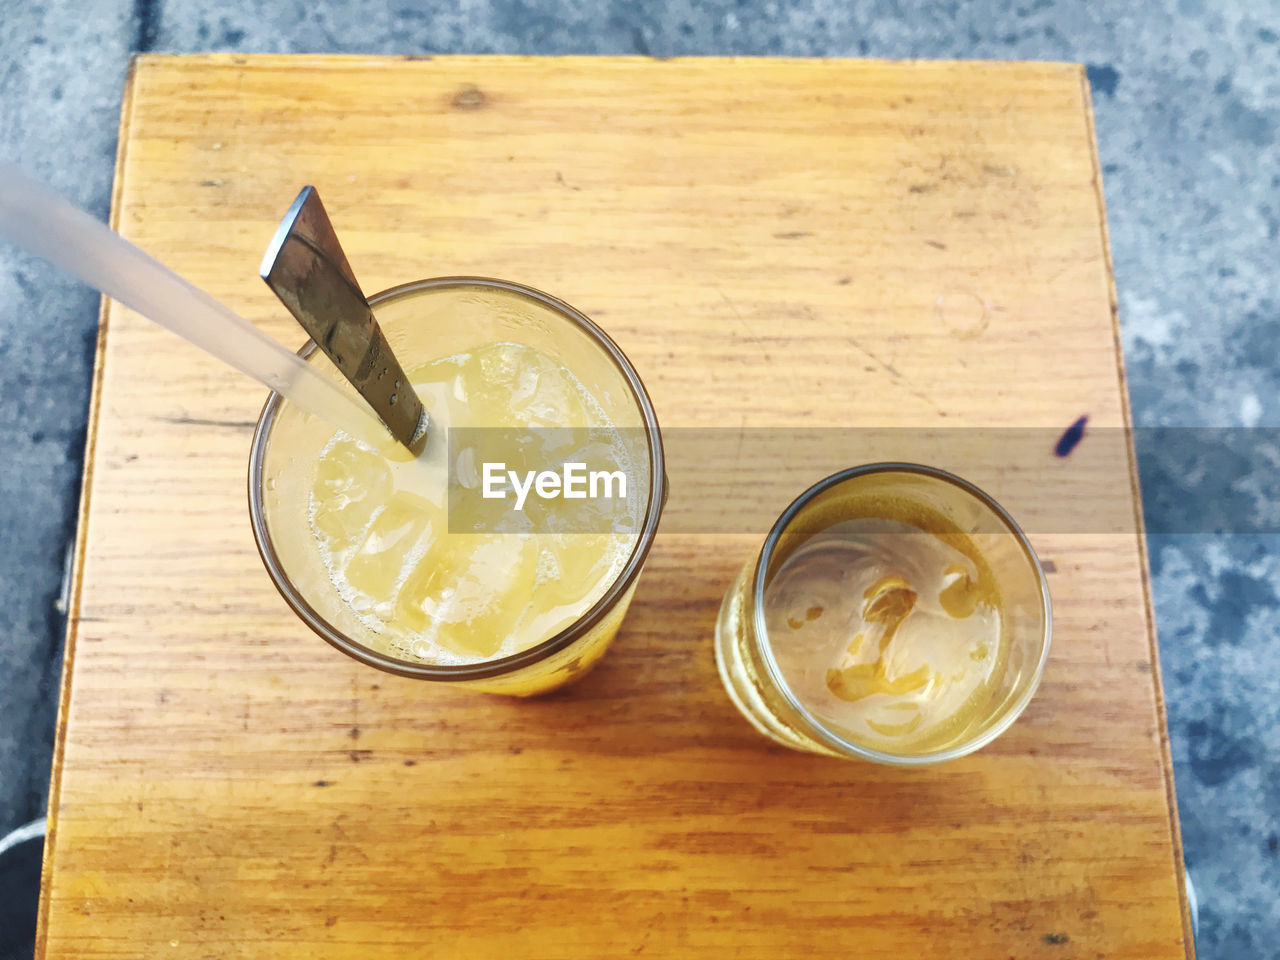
[{"x": 740, "y": 681}]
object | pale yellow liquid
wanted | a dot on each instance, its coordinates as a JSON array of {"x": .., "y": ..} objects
[
  {"x": 887, "y": 633},
  {"x": 381, "y": 524}
]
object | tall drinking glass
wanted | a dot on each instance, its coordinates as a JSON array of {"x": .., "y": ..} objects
[{"x": 294, "y": 461}]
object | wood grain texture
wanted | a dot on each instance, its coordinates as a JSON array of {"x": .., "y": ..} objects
[{"x": 771, "y": 242}]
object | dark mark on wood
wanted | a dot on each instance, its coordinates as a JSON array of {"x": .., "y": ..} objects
[
  {"x": 1048, "y": 566},
  {"x": 1070, "y": 438},
  {"x": 417, "y": 56},
  {"x": 1057, "y": 939},
  {"x": 470, "y": 97},
  {"x": 936, "y": 244},
  {"x": 358, "y": 755},
  {"x": 212, "y": 183},
  {"x": 845, "y": 281},
  {"x": 1144, "y": 666},
  {"x": 565, "y": 183},
  {"x": 792, "y": 235},
  {"x": 321, "y": 783},
  {"x": 354, "y": 733},
  {"x": 922, "y": 188},
  {"x": 411, "y": 763},
  {"x": 202, "y": 422}
]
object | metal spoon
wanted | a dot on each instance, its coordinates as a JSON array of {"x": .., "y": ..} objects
[{"x": 306, "y": 268}]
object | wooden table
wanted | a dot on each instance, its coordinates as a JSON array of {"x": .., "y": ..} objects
[{"x": 773, "y": 242}]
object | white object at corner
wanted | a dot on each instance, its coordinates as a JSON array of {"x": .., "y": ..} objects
[{"x": 28, "y": 831}]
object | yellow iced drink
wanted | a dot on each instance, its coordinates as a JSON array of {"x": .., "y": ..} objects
[
  {"x": 407, "y": 563},
  {"x": 381, "y": 522}
]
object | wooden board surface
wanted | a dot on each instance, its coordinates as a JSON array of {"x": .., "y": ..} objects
[{"x": 773, "y": 242}]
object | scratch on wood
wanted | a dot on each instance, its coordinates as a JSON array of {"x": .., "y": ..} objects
[
  {"x": 746, "y": 327},
  {"x": 853, "y": 341},
  {"x": 202, "y": 422},
  {"x": 565, "y": 183},
  {"x": 897, "y": 375}
]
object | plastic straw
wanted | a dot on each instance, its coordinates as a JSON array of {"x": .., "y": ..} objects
[{"x": 35, "y": 217}]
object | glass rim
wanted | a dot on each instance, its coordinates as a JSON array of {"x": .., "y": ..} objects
[
  {"x": 486, "y": 669},
  {"x": 817, "y": 727}
]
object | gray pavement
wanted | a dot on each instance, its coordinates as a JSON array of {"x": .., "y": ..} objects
[{"x": 1186, "y": 95}]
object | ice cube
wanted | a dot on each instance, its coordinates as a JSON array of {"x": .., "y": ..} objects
[
  {"x": 396, "y": 537},
  {"x": 468, "y": 579},
  {"x": 350, "y": 484}
]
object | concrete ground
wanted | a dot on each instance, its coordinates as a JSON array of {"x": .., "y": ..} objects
[{"x": 1186, "y": 95}]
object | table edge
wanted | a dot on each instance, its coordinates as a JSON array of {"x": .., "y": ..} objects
[
  {"x": 1162, "y": 721},
  {"x": 81, "y": 540},
  {"x": 306, "y": 61}
]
